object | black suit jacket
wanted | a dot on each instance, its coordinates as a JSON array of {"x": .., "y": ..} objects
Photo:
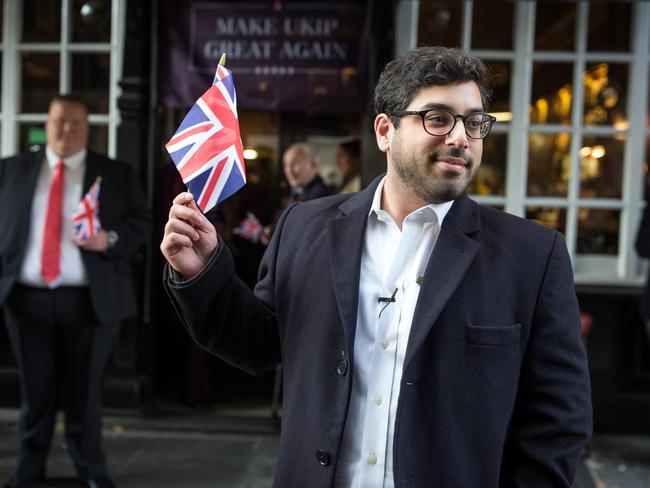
[
  {"x": 643, "y": 249},
  {"x": 495, "y": 388},
  {"x": 123, "y": 209}
]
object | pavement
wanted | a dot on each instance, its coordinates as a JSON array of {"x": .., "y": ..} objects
[{"x": 237, "y": 448}]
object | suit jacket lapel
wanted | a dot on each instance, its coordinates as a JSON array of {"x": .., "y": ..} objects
[
  {"x": 451, "y": 257},
  {"x": 26, "y": 190},
  {"x": 346, "y": 233}
]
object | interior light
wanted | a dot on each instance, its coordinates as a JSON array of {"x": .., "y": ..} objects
[
  {"x": 502, "y": 116},
  {"x": 597, "y": 152},
  {"x": 250, "y": 154},
  {"x": 585, "y": 152}
]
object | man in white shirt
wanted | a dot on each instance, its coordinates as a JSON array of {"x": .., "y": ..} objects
[
  {"x": 64, "y": 297},
  {"x": 426, "y": 341}
]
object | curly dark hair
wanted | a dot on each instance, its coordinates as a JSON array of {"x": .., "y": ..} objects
[{"x": 402, "y": 78}]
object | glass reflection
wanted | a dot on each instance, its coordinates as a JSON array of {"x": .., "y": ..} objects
[
  {"x": 45, "y": 25},
  {"x": 549, "y": 164},
  {"x": 601, "y": 167},
  {"x": 609, "y": 26},
  {"x": 40, "y": 81},
  {"x": 90, "y": 79},
  {"x": 492, "y": 25},
  {"x": 439, "y": 23},
  {"x": 91, "y": 21},
  {"x": 490, "y": 178},
  {"x": 606, "y": 95},
  {"x": 598, "y": 231},
  {"x": 553, "y": 217},
  {"x": 552, "y": 93},
  {"x": 555, "y": 26}
]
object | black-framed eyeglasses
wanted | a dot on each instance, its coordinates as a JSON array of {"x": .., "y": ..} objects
[{"x": 440, "y": 122}]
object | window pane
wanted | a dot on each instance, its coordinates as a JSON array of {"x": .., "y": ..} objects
[
  {"x": 32, "y": 137},
  {"x": 45, "y": 25},
  {"x": 40, "y": 81},
  {"x": 500, "y": 86},
  {"x": 90, "y": 80},
  {"x": 606, "y": 94},
  {"x": 492, "y": 25},
  {"x": 1, "y": 78},
  {"x": 598, "y": 231},
  {"x": 601, "y": 167},
  {"x": 439, "y": 23},
  {"x": 609, "y": 26},
  {"x": 551, "y": 93},
  {"x": 548, "y": 164},
  {"x": 91, "y": 21},
  {"x": 491, "y": 176},
  {"x": 553, "y": 217},
  {"x": 555, "y": 26}
]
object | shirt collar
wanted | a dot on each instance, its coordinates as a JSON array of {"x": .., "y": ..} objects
[
  {"x": 71, "y": 162},
  {"x": 440, "y": 210}
]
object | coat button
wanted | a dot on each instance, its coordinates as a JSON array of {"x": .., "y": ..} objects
[
  {"x": 323, "y": 457},
  {"x": 342, "y": 367}
]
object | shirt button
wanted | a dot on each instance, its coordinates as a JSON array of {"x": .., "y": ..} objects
[
  {"x": 342, "y": 367},
  {"x": 372, "y": 459},
  {"x": 323, "y": 457},
  {"x": 384, "y": 344},
  {"x": 378, "y": 400}
]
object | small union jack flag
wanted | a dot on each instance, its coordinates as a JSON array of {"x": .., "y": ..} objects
[
  {"x": 207, "y": 148},
  {"x": 250, "y": 228},
  {"x": 85, "y": 218}
]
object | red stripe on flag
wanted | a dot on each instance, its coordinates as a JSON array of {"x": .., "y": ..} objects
[
  {"x": 203, "y": 128},
  {"x": 207, "y": 192}
]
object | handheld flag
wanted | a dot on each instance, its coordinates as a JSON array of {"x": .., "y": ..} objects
[
  {"x": 85, "y": 218},
  {"x": 207, "y": 148},
  {"x": 250, "y": 228}
]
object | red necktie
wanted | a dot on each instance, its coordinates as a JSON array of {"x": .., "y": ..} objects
[{"x": 51, "y": 253}]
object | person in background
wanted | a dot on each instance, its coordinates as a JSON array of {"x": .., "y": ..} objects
[
  {"x": 64, "y": 297},
  {"x": 425, "y": 340},
  {"x": 300, "y": 166},
  {"x": 301, "y": 170},
  {"x": 348, "y": 161}
]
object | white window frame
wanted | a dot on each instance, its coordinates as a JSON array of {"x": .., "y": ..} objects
[
  {"x": 12, "y": 49},
  {"x": 625, "y": 269}
]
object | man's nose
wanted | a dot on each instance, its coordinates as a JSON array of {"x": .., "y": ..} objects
[{"x": 458, "y": 136}]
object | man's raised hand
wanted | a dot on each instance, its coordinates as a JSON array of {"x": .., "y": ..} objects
[{"x": 190, "y": 239}]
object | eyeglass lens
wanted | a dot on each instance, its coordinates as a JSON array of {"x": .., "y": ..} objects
[{"x": 441, "y": 122}]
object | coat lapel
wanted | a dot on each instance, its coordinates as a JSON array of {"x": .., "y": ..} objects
[
  {"x": 346, "y": 233},
  {"x": 451, "y": 257}
]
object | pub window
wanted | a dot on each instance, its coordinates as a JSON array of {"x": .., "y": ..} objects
[
  {"x": 570, "y": 148},
  {"x": 72, "y": 46}
]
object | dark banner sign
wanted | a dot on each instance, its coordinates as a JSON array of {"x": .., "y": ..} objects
[{"x": 301, "y": 55}]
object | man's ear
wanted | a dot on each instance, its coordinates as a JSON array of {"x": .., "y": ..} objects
[{"x": 383, "y": 131}]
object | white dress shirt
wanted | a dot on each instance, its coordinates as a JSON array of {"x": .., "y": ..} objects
[
  {"x": 392, "y": 263},
  {"x": 73, "y": 272}
]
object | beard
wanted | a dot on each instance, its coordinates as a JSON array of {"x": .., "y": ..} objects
[{"x": 428, "y": 182}]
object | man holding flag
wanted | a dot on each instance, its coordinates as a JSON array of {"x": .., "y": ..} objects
[
  {"x": 65, "y": 284},
  {"x": 425, "y": 340}
]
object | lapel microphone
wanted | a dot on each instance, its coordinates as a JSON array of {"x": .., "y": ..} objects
[{"x": 387, "y": 301}]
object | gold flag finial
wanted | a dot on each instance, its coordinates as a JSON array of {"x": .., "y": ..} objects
[{"x": 222, "y": 61}]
